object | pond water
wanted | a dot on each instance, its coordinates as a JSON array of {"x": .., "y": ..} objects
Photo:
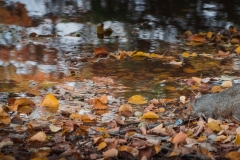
[{"x": 143, "y": 25}]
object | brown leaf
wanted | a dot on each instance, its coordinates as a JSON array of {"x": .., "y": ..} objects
[
  {"x": 111, "y": 153},
  {"x": 100, "y": 52},
  {"x": 21, "y": 102},
  {"x": 40, "y": 136},
  {"x": 99, "y": 105},
  {"x": 197, "y": 38}
]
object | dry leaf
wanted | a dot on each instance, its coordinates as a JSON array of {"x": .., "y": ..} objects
[
  {"x": 54, "y": 128},
  {"x": 137, "y": 99},
  {"x": 111, "y": 153},
  {"x": 214, "y": 126},
  {"x": 50, "y": 101},
  {"x": 182, "y": 99},
  {"x": 40, "y": 136},
  {"x": 125, "y": 107},
  {"x": 161, "y": 109},
  {"x": 149, "y": 115},
  {"x": 234, "y": 155},
  {"x": 179, "y": 138},
  {"x": 99, "y": 105},
  {"x": 101, "y": 146},
  {"x": 216, "y": 89},
  {"x": 227, "y": 84},
  {"x": 196, "y": 79}
]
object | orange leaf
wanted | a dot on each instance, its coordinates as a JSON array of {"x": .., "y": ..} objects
[
  {"x": 50, "y": 101},
  {"x": 125, "y": 107},
  {"x": 100, "y": 52},
  {"x": 101, "y": 146},
  {"x": 137, "y": 99},
  {"x": 179, "y": 138},
  {"x": 99, "y": 105},
  {"x": 234, "y": 155},
  {"x": 149, "y": 115},
  {"x": 237, "y": 139},
  {"x": 21, "y": 102},
  {"x": 197, "y": 38},
  {"x": 76, "y": 116}
]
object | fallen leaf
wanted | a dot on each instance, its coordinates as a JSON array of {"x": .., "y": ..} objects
[
  {"x": 40, "y": 136},
  {"x": 100, "y": 52},
  {"x": 54, "y": 128},
  {"x": 234, "y": 155},
  {"x": 237, "y": 140},
  {"x": 101, "y": 146},
  {"x": 237, "y": 50},
  {"x": 150, "y": 115},
  {"x": 125, "y": 107},
  {"x": 21, "y": 102},
  {"x": 209, "y": 35},
  {"x": 137, "y": 99},
  {"x": 50, "y": 101},
  {"x": 226, "y": 84},
  {"x": 161, "y": 109},
  {"x": 196, "y": 79},
  {"x": 111, "y": 153},
  {"x": 185, "y": 54},
  {"x": 214, "y": 126},
  {"x": 197, "y": 38},
  {"x": 179, "y": 138},
  {"x": 99, "y": 105},
  {"x": 216, "y": 89},
  {"x": 182, "y": 99}
]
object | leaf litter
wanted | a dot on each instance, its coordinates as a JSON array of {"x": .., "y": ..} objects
[{"x": 87, "y": 122}]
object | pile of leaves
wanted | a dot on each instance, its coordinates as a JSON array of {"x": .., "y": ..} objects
[{"x": 70, "y": 122}]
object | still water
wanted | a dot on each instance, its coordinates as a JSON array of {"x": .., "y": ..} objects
[{"x": 150, "y": 26}]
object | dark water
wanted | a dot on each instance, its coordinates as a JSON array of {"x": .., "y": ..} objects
[{"x": 142, "y": 25}]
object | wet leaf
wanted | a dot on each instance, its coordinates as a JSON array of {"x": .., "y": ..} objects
[
  {"x": 197, "y": 38},
  {"x": 40, "y": 136},
  {"x": 50, "y": 101},
  {"x": 100, "y": 52},
  {"x": 137, "y": 99},
  {"x": 149, "y": 115},
  {"x": 110, "y": 153},
  {"x": 214, "y": 126}
]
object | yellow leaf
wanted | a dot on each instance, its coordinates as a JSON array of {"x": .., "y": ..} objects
[
  {"x": 185, "y": 54},
  {"x": 216, "y": 89},
  {"x": 137, "y": 99},
  {"x": 202, "y": 138},
  {"x": 190, "y": 70},
  {"x": 157, "y": 148},
  {"x": 141, "y": 54},
  {"x": 100, "y": 29},
  {"x": 234, "y": 155},
  {"x": 40, "y": 136},
  {"x": 125, "y": 107},
  {"x": 209, "y": 35},
  {"x": 50, "y": 101},
  {"x": 237, "y": 50},
  {"x": 154, "y": 55},
  {"x": 237, "y": 139},
  {"x": 214, "y": 126},
  {"x": 103, "y": 132},
  {"x": 194, "y": 54},
  {"x": 149, "y": 115},
  {"x": 76, "y": 116},
  {"x": 101, "y": 146}
]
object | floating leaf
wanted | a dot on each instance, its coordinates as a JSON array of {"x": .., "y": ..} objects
[
  {"x": 214, "y": 126},
  {"x": 149, "y": 115},
  {"x": 40, "y": 136},
  {"x": 50, "y": 101},
  {"x": 137, "y": 99}
]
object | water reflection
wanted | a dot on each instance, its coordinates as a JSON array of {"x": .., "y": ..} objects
[{"x": 145, "y": 25}]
